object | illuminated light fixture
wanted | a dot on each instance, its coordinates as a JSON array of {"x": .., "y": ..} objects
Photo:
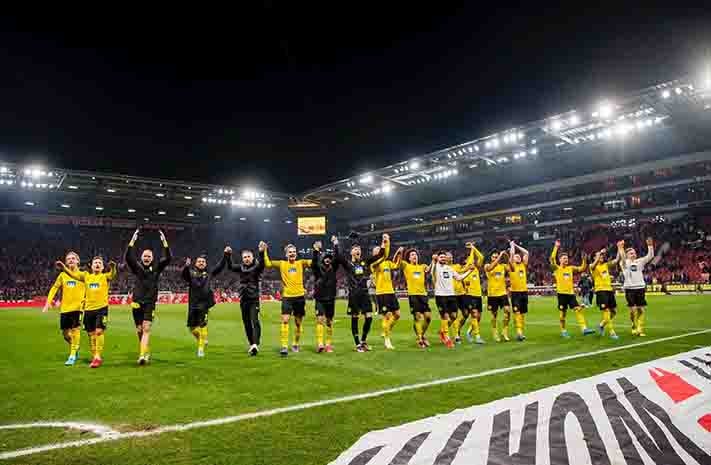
[
  {"x": 678, "y": 91},
  {"x": 346, "y": 198},
  {"x": 243, "y": 219},
  {"x": 574, "y": 120},
  {"x": 487, "y": 144},
  {"x": 131, "y": 210},
  {"x": 387, "y": 188},
  {"x": 287, "y": 221},
  {"x": 476, "y": 148},
  {"x": 556, "y": 125},
  {"x": 65, "y": 205},
  {"x": 495, "y": 143},
  {"x": 455, "y": 172},
  {"x": 3, "y": 169},
  {"x": 73, "y": 187},
  {"x": 161, "y": 212},
  {"x": 99, "y": 208},
  {"x": 190, "y": 215},
  {"x": 333, "y": 202},
  {"x": 111, "y": 191},
  {"x": 187, "y": 197},
  {"x": 640, "y": 125},
  {"x": 605, "y": 110},
  {"x": 366, "y": 179},
  {"x": 506, "y": 139},
  {"x": 160, "y": 194},
  {"x": 666, "y": 93},
  {"x": 267, "y": 220},
  {"x": 416, "y": 165},
  {"x": 217, "y": 217},
  {"x": 520, "y": 135},
  {"x": 30, "y": 204},
  {"x": 146, "y": 219}
]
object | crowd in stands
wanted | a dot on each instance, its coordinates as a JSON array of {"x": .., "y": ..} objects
[{"x": 28, "y": 252}]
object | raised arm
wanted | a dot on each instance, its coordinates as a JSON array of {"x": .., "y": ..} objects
[
  {"x": 316, "y": 260},
  {"x": 113, "y": 271},
  {"x": 269, "y": 263},
  {"x": 597, "y": 261},
  {"x": 226, "y": 257},
  {"x": 78, "y": 275},
  {"x": 490, "y": 266},
  {"x": 554, "y": 256},
  {"x": 130, "y": 255},
  {"x": 185, "y": 273},
  {"x": 398, "y": 257},
  {"x": 583, "y": 266},
  {"x": 262, "y": 257},
  {"x": 650, "y": 251},
  {"x": 621, "y": 254},
  {"x": 375, "y": 259},
  {"x": 167, "y": 255},
  {"x": 615, "y": 260},
  {"x": 524, "y": 254}
]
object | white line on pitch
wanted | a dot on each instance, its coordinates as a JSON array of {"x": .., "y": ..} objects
[{"x": 337, "y": 400}]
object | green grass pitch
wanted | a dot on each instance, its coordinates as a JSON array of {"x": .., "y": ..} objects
[{"x": 179, "y": 388}]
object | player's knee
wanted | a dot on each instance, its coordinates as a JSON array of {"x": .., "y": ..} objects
[
  {"x": 99, "y": 331},
  {"x": 396, "y": 314}
]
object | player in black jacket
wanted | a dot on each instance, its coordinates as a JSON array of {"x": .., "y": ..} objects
[
  {"x": 250, "y": 274},
  {"x": 145, "y": 290},
  {"x": 201, "y": 296},
  {"x": 324, "y": 270},
  {"x": 357, "y": 273}
]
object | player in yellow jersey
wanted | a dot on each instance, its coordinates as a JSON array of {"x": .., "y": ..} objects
[
  {"x": 386, "y": 300},
  {"x": 96, "y": 306},
  {"x": 293, "y": 300},
  {"x": 71, "y": 307},
  {"x": 473, "y": 300},
  {"x": 604, "y": 293},
  {"x": 497, "y": 295},
  {"x": 518, "y": 266},
  {"x": 415, "y": 274},
  {"x": 464, "y": 309},
  {"x": 563, "y": 273}
]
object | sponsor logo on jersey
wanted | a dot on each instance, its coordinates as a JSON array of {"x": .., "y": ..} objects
[
  {"x": 358, "y": 270},
  {"x": 94, "y": 285},
  {"x": 292, "y": 270},
  {"x": 71, "y": 284}
]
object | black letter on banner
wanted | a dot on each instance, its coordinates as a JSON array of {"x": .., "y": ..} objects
[
  {"x": 570, "y": 402},
  {"x": 364, "y": 457},
  {"x": 409, "y": 449},
  {"x": 697, "y": 369},
  {"x": 501, "y": 432},
  {"x": 644, "y": 407},
  {"x": 446, "y": 456}
]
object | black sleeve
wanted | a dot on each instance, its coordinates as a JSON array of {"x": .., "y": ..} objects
[
  {"x": 316, "y": 264},
  {"x": 340, "y": 259},
  {"x": 221, "y": 266},
  {"x": 375, "y": 257},
  {"x": 185, "y": 274},
  {"x": 262, "y": 261},
  {"x": 165, "y": 259},
  {"x": 131, "y": 260}
]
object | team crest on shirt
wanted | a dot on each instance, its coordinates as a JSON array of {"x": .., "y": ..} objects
[
  {"x": 445, "y": 274},
  {"x": 358, "y": 269},
  {"x": 94, "y": 286},
  {"x": 633, "y": 268},
  {"x": 520, "y": 273},
  {"x": 292, "y": 270},
  {"x": 386, "y": 270}
]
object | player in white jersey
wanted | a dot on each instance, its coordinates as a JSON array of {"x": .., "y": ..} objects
[
  {"x": 635, "y": 286},
  {"x": 444, "y": 276}
]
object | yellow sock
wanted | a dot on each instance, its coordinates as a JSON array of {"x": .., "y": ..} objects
[
  {"x": 385, "y": 323},
  {"x": 329, "y": 335},
  {"x": 319, "y": 333},
  {"x": 475, "y": 327},
  {"x": 561, "y": 319},
  {"x": 494, "y": 327},
  {"x": 284, "y": 335},
  {"x": 419, "y": 329},
  {"x": 633, "y": 319},
  {"x": 99, "y": 345},
  {"x": 605, "y": 319},
  {"x": 144, "y": 349},
  {"x": 518, "y": 321},
  {"x": 201, "y": 339},
  {"x": 506, "y": 322},
  {"x": 456, "y": 324},
  {"x": 204, "y": 334},
  {"x": 92, "y": 344},
  {"x": 610, "y": 324},
  {"x": 444, "y": 327},
  {"x": 196, "y": 333},
  {"x": 298, "y": 332},
  {"x": 76, "y": 339},
  {"x": 580, "y": 317},
  {"x": 640, "y": 321}
]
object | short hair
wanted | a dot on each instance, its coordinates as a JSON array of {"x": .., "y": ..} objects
[
  {"x": 244, "y": 251},
  {"x": 442, "y": 252},
  {"x": 98, "y": 257},
  {"x": 203, "y": 256},
  {"x": 563, "y": 254},
  {"x": 289, "y": 246},
  {"x": 355, "y": 246},
  {"x": 71, "y": 252},
  {"x": 630, "y": 249}
]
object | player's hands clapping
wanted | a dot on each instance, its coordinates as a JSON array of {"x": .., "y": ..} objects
[{"x": 262, "y": 246}]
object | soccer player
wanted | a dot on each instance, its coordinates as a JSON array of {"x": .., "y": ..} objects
[
  {"x": 250, "y": 274},
  {"x": 497, "y": 296},
  {"x": 518, "y": 266},
  {"x": 293, "y": 300},
  {"x": 444, "y": 276},
  {"x": 604, "y": 293},
  {"x": 634, "y": 285},
  {"x": 201, "y": 296},
  {"x": 96, "y": 303},
  {"x": 359, "y": 303},
  {"x": 415, "y": 273},
  {"x": 563, "y": 273},
  {"x": 473, "y": 297},
  {"x": 71, "y": 306},
  {"x": 458, "y": 319},
  {"x": 324, "y": 270},
  {"x": 145, "y": 290},
  {"x": 388, "y": 305}
]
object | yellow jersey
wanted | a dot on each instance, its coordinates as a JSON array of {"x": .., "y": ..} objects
[
  {"x": 292, "y": 275},
  {"x": 72, "y": 293},
  {"x": 517, "y": 276},
  {"x": 472, "y": 283},
  {"x": 415, "y": 278},
  {"x": 459, "y": 285},
  {"x": 497, "y": 281},
  {"x": 97, "y": 288},
  {"x": 601, "y": 277},
  {"x": 563, "y": 275},
  {"x": 383, "y": 277}
]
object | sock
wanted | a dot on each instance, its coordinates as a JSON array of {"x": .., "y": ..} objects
[
  {"x": 610, "y": 324},
  {"x": 92, "y": 344},
  {"x": 475, "y": 326},
  {"x": 444, "y": 327},
  {"x": 494, "y": 328},
  {"x": 319, "y": 334},
  {"x": 354, "y": 330},
  {"x": 329, "y": 335},
  {"x": 196, "y": 333},
  {"x": 456, "y": 325},
  {"x": 419, "y": 326},
  {"x": 204, "y": 334},
  {"x": 366, "y": 328},
  {"x": 640, "y": 320},
  {"x": 75, "y": 336},
  {"x": 67, "y": 335},
  {"x": 426, "y": 326},
  {"x": 284, "y": 335},
  {"x": 605, "y": 319},
  {"x": 391, "y": 324},
  {"x": 633, "y": 319},
  {"x": 385, "y": 325},
  {"x": 298, "y": 331},
  {"x": 462, "y": 324},
  {"x": 561, "y": 319},
  {"x": 506, "y": 322},
  {"x": 580, "y": 317},
  {"x": 144, "y": 349},
  {"x": 201, "y": 338},
  {"x": 518, "y": 321},
  {"x": 99, "y": 345}
]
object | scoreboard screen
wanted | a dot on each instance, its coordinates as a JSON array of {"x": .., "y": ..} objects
[{"x": 311, "y": 225}]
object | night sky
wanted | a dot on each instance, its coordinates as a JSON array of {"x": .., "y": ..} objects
[{"x": 290, "y": 97}]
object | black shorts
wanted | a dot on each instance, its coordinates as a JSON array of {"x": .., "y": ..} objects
[
  {"x": 567, "y": 301},
  {"x": 463, "y": 303},
  {"x": 326, "y": 308},
  {"x": 94, "y": 319},
  {"x": 144, "y": 312},
  {"x": 446, "y": 304},
  {"x": 387, "y": 303},
  {"x": 497, "y": 302},
  {"x": 293, "y": 306},
  {"x": 519, "y": 302},
  {"x": 359, "y": 303},
  {"x": 70, "y": 320},
  {"x": 419, "y": 304},
  {"x": 636, "y": 297},
  {"x": 197, "y": 317},
  {"x": 605, "y": 300}
]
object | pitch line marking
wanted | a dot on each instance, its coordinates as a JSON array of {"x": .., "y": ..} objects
[{"x": 309, "y": 405}]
